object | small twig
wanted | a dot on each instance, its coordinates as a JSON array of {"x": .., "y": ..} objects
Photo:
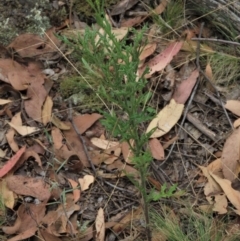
[
  {"x": 81, "y": 138},
  {"x": 200, "y": 126},
  {"x": 216, "y": 40}
]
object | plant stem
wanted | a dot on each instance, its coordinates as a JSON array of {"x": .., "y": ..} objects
[{"x": 145, "y": 204}]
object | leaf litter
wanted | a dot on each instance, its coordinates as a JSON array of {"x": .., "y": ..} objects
[{"x": 58, "y": 162}]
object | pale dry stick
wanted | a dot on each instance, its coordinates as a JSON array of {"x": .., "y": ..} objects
[
  {"x": 200, "y": 126},
  {"x": 74, "y": 67},
  {"x": 216, "y": 40}
]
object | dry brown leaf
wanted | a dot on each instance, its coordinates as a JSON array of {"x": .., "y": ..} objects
[
  {"x": 156, "y": 149},
  {"x": 24, "y": 130},
  {"x": 36, "y": 93},
  {"x": 29, "y": 186},
  {"x": 59, "y": 124},
  {"x": 208, "y": 71},
  {"x": 85, "y": 182},
  {"x": 160, "y": 61},
  {"x": 166, "y": 119},
  {"x": 7, "y": 196},
  {"x": 220, "y": 203},
  {"x": 232, "y": 195},
  {"x": 130, "y": 22},
  {"x": 24, "y": 223},
  {"x": 4, "y": 102},
  {"x": 33, "y": 45},
  {"x": 183, "y": 91},
  {"x": 56, "y": 221},
  {"x": 100, "y": 225},
  {"x": 47, "y": 110},
  {"x": 3, "y": 153},
  {"x": 15, "y": 74},
  {"x": 212, "y": 186},
  {"x": 216, "y": 167},
  {"x": 43, "y": 235},
  {"x": 16, "y": 120},
  {"x": 127, "y": 152},
  {"x": 147, "y": 51},
  {"x": 191, "y": 46},
  {"x": 230, "y": 156},
  {"x": 112, "y": 154},
  {"x": 75, "y": 145},
  {"x": 84, "y": 122},
  {"x": 120, "y": 33},
  {"x": 63, "y": 153},
  {"x": 123, "y": 168},
  {"x": 76, "y": 190},
  {"x": 24, "y": 235},
  {"x": 130, "y": 217},
  {"x": 236, "y": 123},
  {"x": 104, "y": 144},
  {"x": 233, "y": 106}
]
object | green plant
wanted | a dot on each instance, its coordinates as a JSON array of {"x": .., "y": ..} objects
[
  {"x": 164, "y": 193},
  {"x": 115, "y": 63}
]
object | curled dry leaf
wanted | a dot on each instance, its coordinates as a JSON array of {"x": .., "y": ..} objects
[
  {"x": 24, "y": 130},
  {"x": 147, "y": 51},
  {"x": 166, "y": 119},
  {"x": 16, "y": 120},
  {"x": 156, "y": 149},
  {"x": 230, "y": 156},
  {"x": 47, "y": 110},
  {"x": 85, "y": 182},
  {"x": 212, "y": 186},
  {"x": 100, "y": 226},
  {"x": 232, "y": 195}
]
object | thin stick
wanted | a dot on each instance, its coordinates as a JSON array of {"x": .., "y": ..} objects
[
  {"x": 216, "y": 40},
  {"x": 81, "y": 138}
]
